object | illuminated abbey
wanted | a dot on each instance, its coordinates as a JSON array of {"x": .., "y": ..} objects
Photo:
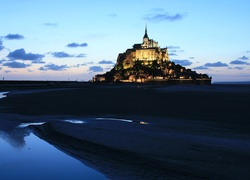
[
  {"x": 148, "y": 63},
  {"x": 146, "y": 52}
]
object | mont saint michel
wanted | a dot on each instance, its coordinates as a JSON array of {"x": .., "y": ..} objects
[{"x": 147, "y": 62}]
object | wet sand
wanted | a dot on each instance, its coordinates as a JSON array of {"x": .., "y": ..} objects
[
  {"x": 225, "y": 105},
  {"x": 202, "y": 130}
]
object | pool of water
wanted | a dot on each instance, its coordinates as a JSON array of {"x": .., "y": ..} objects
[
  {"x": 35, "y": 150},
  {"x": 3, "y": 94},
  {"x": 25, "y": 156}
]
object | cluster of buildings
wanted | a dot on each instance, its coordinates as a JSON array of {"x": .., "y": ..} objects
[{"x": 148, "y": 63}]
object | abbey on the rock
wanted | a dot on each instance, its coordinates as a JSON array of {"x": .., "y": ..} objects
[
  {"x": 146, "y": 52},
  {"x": 148, "y": 63},
  {"x": 149, "y": 50}
]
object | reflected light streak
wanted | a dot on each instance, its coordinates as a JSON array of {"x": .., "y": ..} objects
[
  {"x": 3, "y": 94},
  {"x": 75, "y": 121},
  {"x": 23, "y": 125}
]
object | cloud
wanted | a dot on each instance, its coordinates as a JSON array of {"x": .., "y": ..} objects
[
  {"x": 38, "y": 62},
  {"x": 172, "y": 54},
  {"x": 173, "y": 47},
  {"x": 238, "y": 62},
  {"x": 7, "y": 71},
  {"x": 1, "y": 45},
  {"x": 79, "y": 65},
  {"x": 247, "y": 51},
  {"x": 244, "y": 58},
  {"x": 216, "y": 64},
  {"x": 191, "y": 57},
  {"x": 96, "y": 68},
  {"x": 105, "y": 62},
  {"x": 50, "y": 24},
  {"x": 53, "y": 67},
  {"x": 112, "y": 15},
  {"x": 15, "y": 64},
  {"x": 22, "y": 55},
  {"x": 173, "y": 50},
  {"x": 81, "y": 55},
  {"x": 91, "y": 62},
  {"x": 239, "y": 68},
  {"x": 158, "y": 17},
  {"x": 182, "y": 62},
  {"x": 200, "y": 68},
  {"x": 75, "y": 45},
  {"x": 14, "y": 37},
  {"x": 66, "y": 55},
  {"x": 61, "y": 54}
]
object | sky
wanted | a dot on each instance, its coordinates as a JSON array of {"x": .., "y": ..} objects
[{"x": 77, "y": 39}]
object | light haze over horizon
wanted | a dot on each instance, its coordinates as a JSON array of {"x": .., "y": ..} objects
[{"x": 74, "y": 40}]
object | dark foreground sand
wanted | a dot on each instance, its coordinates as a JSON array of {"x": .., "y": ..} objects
[{"x": 196, "y": 131}]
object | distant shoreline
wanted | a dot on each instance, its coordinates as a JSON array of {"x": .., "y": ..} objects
[
  {"x": 231, "y": 82},
  {"x": 6, "y": 85}
]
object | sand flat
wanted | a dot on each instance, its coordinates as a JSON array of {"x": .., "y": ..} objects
[{"x": 203, "y": 131}]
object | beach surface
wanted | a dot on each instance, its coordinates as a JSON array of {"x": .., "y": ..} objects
[{"x": 194, "y": 132}]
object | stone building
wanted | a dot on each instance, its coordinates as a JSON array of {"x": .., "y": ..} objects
[
  {"x": 146, "y": 62},
  {"x": 146, "y": 52}
]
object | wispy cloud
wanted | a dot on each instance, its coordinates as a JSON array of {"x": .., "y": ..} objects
[
  {"x": 105, "y": 62},
  {"x": 81, "y": 55},
  {"x": 112, "y": 15},
  {"x": 61, "y": 54},
  {"x": 1, "y": 45},
  {"x": 14, "y": 37},
  {"x": 53, "y": 67},
  {"x": 174, "y": 50},
  {"x": 173, "y": 54},
  {"x": 239, "y": 68},
  {"x": 50, "y": 24},
  {"x": 173, "y": 47},
  {"x": 216, "y": 64},
  {"x": 163, "y": 16},
  {"x": 15, "y": 64},
  {"x": 200, "y": 68},
  {"x": 66, "y": 55},
  {"x": 79, "y": 65},
  {"x": 20, "y": 54},
  {"x": 7, "y": 71},
  {"x": 183, "y": 62},
  {"x": 96, "y": 69},
  {"x": 75, "y": 45}
]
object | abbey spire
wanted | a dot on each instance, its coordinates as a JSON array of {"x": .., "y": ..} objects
[
  {"x": 148, "y": 43},
  {"x": 146, "y": 32}
]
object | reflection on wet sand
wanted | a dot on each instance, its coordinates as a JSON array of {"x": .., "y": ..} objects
[
  {"x": 114, "y": 164},
  {"x": 14, "y": 136},
  {"x": 129, "y": 149}
]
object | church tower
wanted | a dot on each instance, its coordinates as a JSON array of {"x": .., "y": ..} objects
[{"x": 145, "y": 38}]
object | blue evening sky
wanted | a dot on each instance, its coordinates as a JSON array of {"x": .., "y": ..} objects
[{"x": 76, "y": 39}]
